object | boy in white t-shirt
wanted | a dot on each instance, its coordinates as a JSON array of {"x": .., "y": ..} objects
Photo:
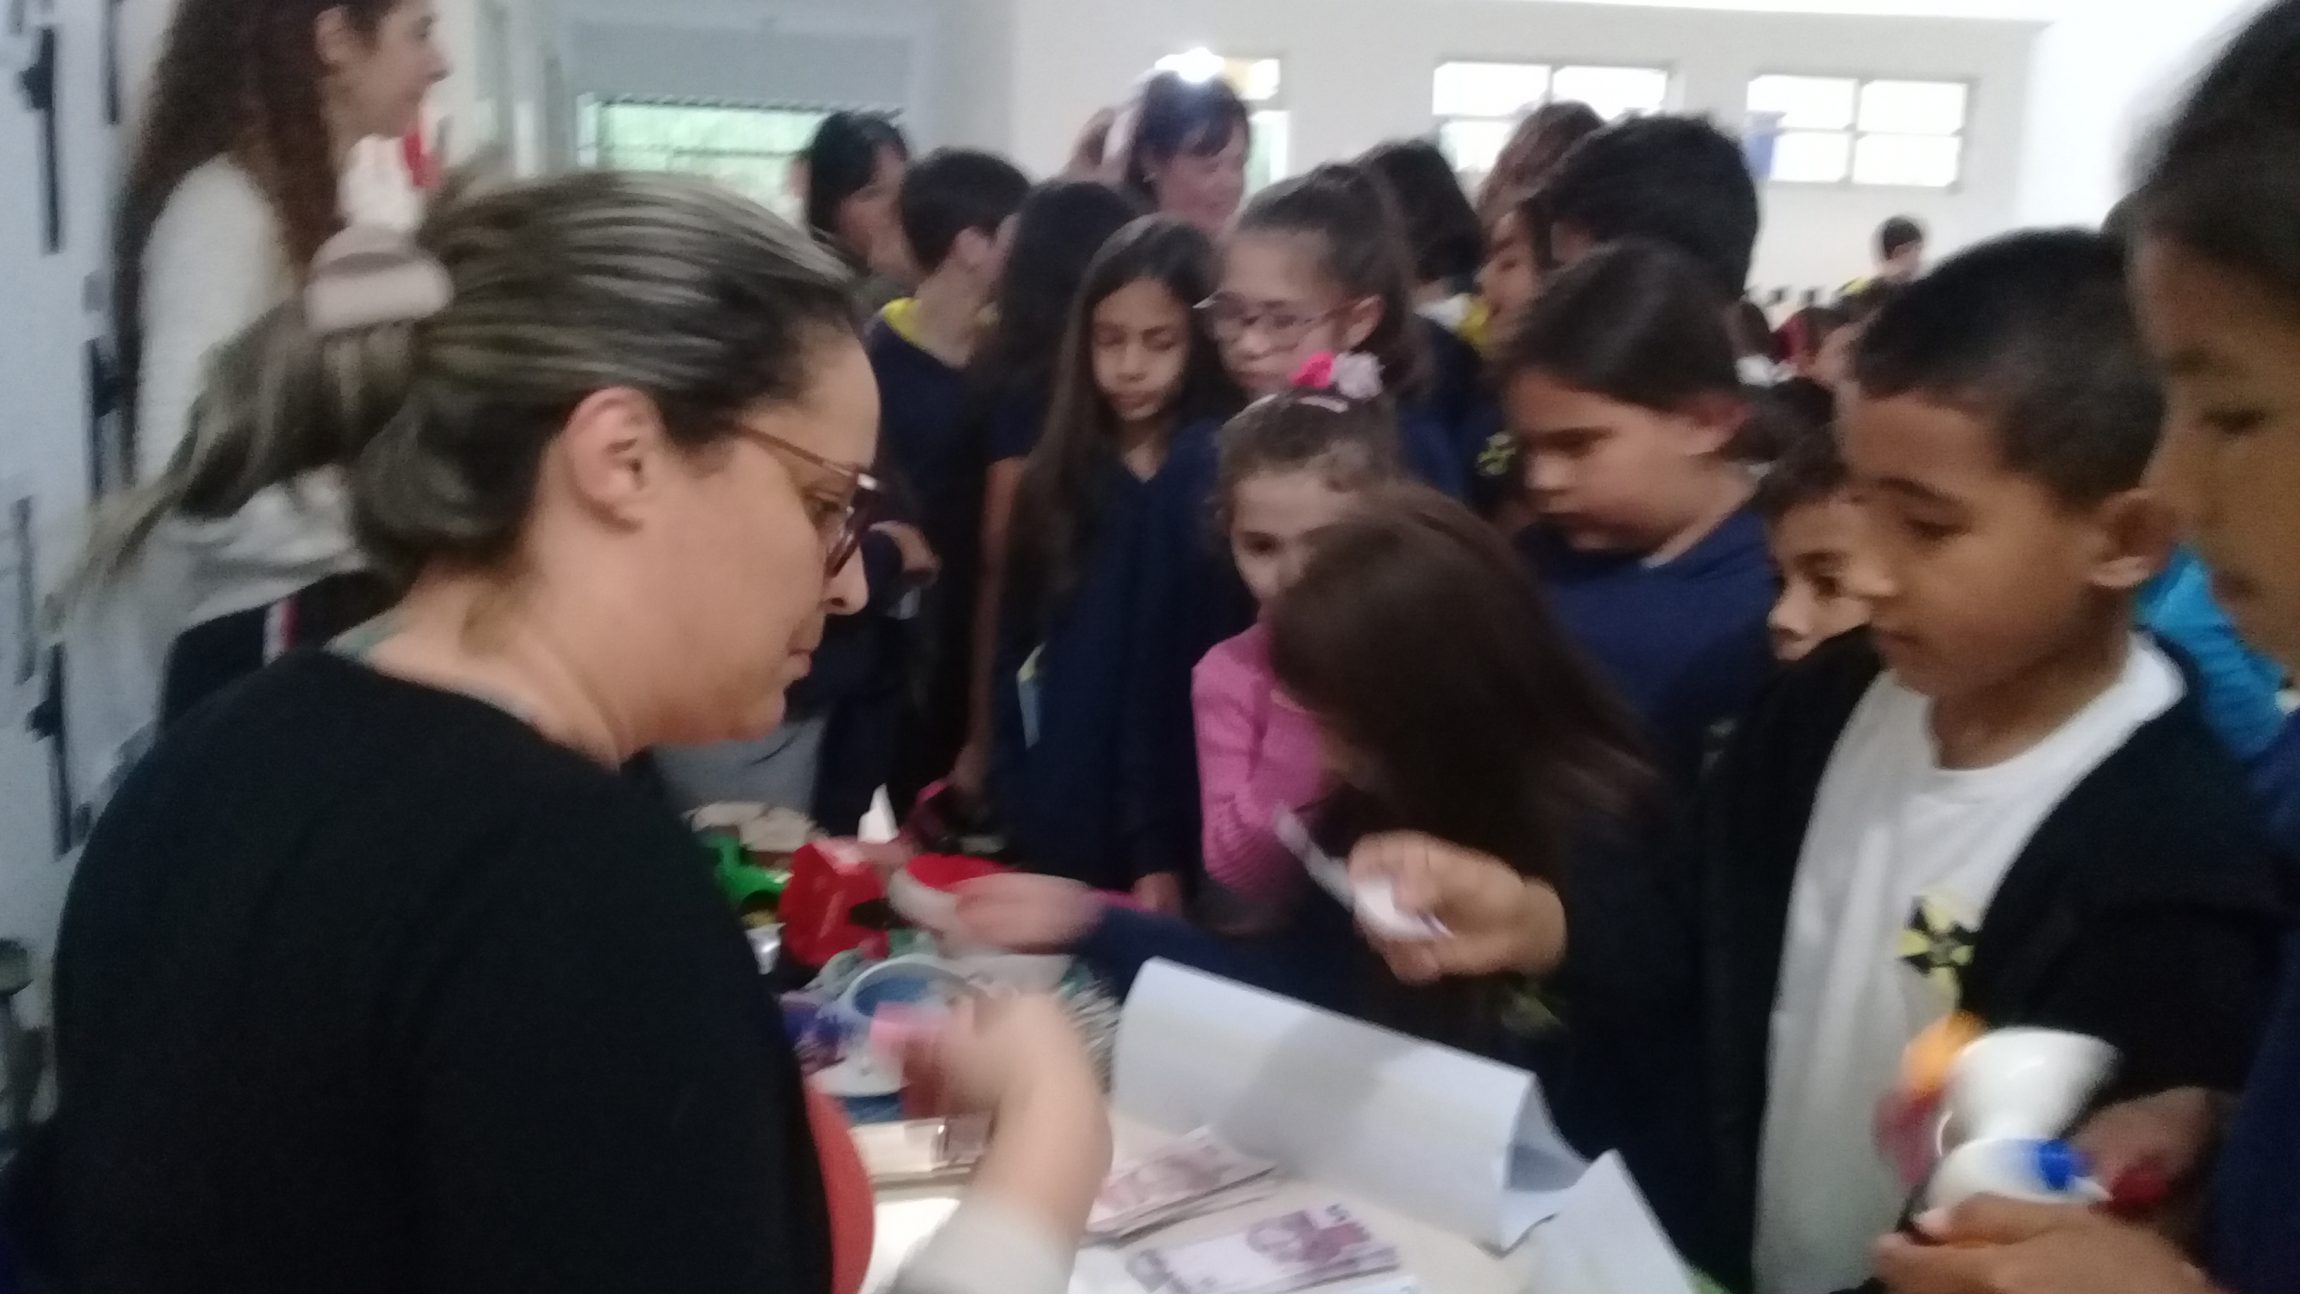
[{"x": 1998, "y": 798}]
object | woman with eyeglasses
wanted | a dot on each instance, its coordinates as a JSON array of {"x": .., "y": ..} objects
[{"x": 376, "y": 976}]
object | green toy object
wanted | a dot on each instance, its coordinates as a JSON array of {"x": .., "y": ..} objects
[{"x": 751, "y": 888}]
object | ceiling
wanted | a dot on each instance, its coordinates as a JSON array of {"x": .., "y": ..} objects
[{"x": 2007, "y": 10}]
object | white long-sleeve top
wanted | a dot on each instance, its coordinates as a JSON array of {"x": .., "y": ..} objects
[{"x": 216, "y": 260}]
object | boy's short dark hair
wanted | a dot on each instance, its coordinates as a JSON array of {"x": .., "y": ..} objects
[
  {"x": 1809, "y": 470},
  {"x": 2034, "y": 333},
  {"x": 952, "y": 190},
  {"x": 1898, "y": 233},
  {"x": 1635, "y": 321},
  {"x": 1671, "y": 179}
]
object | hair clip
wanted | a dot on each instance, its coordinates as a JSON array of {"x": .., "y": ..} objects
[
  {"x": 369, "y": 275},
  {"x": 1353, "y": 375}
]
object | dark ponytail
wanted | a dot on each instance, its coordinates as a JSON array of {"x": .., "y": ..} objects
[{"x": 1363, "y": 249}]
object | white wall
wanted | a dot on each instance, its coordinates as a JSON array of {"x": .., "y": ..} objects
[
  {"x": 53, "y": 304},
  {"x": 1358, "y": 71},
  {"x": 50, "y": 307},
  {"x": 2104, "y": 75}
]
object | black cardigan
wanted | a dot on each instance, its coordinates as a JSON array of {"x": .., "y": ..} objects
[{"x": 2146, "y": 910}]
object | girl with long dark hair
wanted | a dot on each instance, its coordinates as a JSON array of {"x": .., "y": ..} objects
[{"x": 1136, "y": 389}]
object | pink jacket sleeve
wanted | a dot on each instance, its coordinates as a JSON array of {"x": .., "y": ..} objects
[{"x": 1257, "y": 753}]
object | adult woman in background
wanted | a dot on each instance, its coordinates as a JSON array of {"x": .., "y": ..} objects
[
  {"x": 378, "y": 976},
  {"x": 851, "y": 176},
  {"x": 1182, "y": 145},
  {"x": 254, "y": 108}
]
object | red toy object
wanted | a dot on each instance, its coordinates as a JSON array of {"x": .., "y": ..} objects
[{"x": 819, "y": 909}]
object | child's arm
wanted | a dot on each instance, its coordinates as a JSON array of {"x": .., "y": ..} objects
[
  {"x": 999, "y": 484},
  {"x": 1246, "y": 773}
]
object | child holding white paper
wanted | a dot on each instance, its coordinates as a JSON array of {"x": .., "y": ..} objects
[
  {"x": 1512, "y": 751},
  {"x": 1292, "y": 465}
]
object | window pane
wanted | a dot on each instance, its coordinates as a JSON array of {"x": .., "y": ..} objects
[
  {"x": 1812, "y": 156},
  {"x": 1266, "y": 161},
  {"x": 1805, "y": 102},
  {"x": 1474, "y": 146},
  {"x": 1919, "y": 161},
  {"x": 1913, "y": 107},
  {"x": 1489, "y": 89},
  {"x": 1614, "y": 91},
  {"x": 750, "y": 150},
  {"x": 1257, "y": 80}
]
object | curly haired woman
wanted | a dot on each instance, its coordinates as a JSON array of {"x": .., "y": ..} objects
[
  {"x": 254, "y": 108},
  {"x": 253, "y": 111}
]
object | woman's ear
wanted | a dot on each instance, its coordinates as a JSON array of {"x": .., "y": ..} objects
[
  {"x": 2137, "y": 530},
  {"x": 611, "y": 458},
  {"x": 1359, "y": 319}
]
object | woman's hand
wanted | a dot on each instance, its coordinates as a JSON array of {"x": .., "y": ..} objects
[
  {"x": 1994, "y": 1246},
  {"x": 1026, "y": 914},
  {"x": 1496, "y": 920},
  {"x": 993, "y": 1053},
  {"x": 1089, "y": 153},
  {"x": 1021, "y": 1059}
]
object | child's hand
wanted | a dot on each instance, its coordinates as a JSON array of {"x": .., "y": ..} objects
[
  {"x": 972, "y": 771},
  {"x": 1993, "y": 1246},
  {"x": 1026, "y": 914},
  {"x": 1496, "y": 920},
  {"x": 1159, "y": 892},
  {"x": 2152, "y": 1153}
]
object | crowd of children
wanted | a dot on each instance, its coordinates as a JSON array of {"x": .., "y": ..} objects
[
  {"x": 1742, "y": 706},
  {"x": 1829, "y": 691}
]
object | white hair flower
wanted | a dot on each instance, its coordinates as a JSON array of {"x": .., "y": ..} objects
[{"x": 1357, "y": 375}]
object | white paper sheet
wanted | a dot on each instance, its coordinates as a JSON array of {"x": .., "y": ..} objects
[
  {"x": 1462, "y": 1143},
  {"x": 1604, "y": 1240}
]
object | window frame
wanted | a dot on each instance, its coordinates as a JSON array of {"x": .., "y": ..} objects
[
  {"x": 1854, "y": 134},
  {"x": 1670, "y": 84},
  {"x": 593, "y": 144}
]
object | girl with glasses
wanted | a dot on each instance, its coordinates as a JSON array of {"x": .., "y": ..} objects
[{"x": 1320, "y": 265}]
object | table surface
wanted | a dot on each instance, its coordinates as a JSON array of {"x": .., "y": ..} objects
[{"x": 1442, "y": 1263}]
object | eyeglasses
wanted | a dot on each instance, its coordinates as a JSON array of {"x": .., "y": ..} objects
[
  {"x": 844, "y": 521},
  {"x": 1229, "y": 319}
]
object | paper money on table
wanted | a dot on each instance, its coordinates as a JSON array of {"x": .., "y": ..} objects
[
  {"x": 1292, "y": 1251},
  {"x": 1182, "y": 1178}
]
